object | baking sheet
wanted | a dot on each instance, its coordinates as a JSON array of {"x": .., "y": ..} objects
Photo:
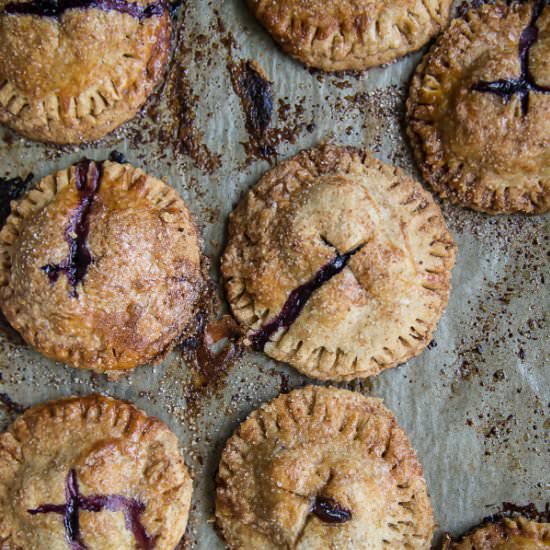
[{"x": 475, "y": 404}]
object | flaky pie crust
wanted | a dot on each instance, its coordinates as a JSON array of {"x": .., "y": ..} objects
[
  {"x": 322, "y": 442},
  {"x": 472, "y": 147},
  {"x": 140, "y": 290},
  {"x": 113, "y": 448},
  {"x": 350, "y": 34},
  {"x": 517, "y": 533},
  {"x": 382, "y": 308},
  {"x": 76, "y": 77}
]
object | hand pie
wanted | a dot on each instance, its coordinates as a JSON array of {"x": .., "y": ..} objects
[
  {"x": 350, "y": 34},
  {"x": 479, "y": 109},
  {"x": 100, "y": 267},
  {"x": 338, "y": 264},
  {"x": 74, "y": 70},
  {"x": 322, "y": 468},
  {"x": 91, "y": 473}
]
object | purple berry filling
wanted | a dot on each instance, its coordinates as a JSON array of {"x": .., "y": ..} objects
[
  {"x": 329, "y": 511},
  {"x": 11, "y": 189},
  {"x": 117, "y": 156},
  {"x": 522, "y": 86},
  {"x": 299, "y": 297},
  {"x": 75, "y": 501},
  {"x": 75, "y": 265},
  {"x": 56, "y": 8}
]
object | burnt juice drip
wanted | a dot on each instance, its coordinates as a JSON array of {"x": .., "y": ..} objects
[
  {"x": 56, "y": 8},
  {"x": 329, "y": 511},
  {"x": 75, "y": 265},
  {"x": 210, "y": 367},
  {"x": 258, "y": 91},
  {"x": 522, "y": 86},
  {"x": 299, "y": 297},
  {"x": 260, "y": 111},
  {"x": 256, "y": 95},
  {"x": 75, "y": 502}
]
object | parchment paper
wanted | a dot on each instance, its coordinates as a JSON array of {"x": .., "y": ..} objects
[{"x": 475, "y": 404}]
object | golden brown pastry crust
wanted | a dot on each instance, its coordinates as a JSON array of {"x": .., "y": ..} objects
[
  {"x": 473, "y": 147},
  {"x": 506, "y": 534},
  {"x": 140, "y": 289},
  {"x": 113, "y": 449},
  {"x": 76, "y": 77},
  {"x": 378, "y": 311},
  {"x": 350, "y": 34},
  {"x": 322, "y": 443}
]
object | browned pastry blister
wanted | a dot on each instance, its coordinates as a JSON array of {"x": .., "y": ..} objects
[
  {"x": 75, "y": 74},
  {"x": 514, "y": 533},
  {"x": 91, "y": 473},
  {"x": 338, "y": 264},
  {"x": 322, "y": 468},
  {"x": 350, "y": 34},
  {"x": 479, "y": 109},
  {"x": 100, "y": 267}
]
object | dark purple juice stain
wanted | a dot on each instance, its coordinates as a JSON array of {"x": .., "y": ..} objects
[
  {"x": 75, "y": 265},
  {"x": 75, "y": 502},
  {"x": 117, "y": 156},
  {"x": 174, "y": 6},
  {"x": 11, "y": 189},
  {"x": 522, "y": 86},
  {"x": 329, "y": 511},
  {"x": 299, "y": 297},
  {"x": 11, "y": 405},
  {"x": 56, "y": 8}
]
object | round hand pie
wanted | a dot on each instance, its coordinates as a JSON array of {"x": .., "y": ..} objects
[
  {"x": 338, "y": 264},
  {"x": 506, "y": 534},
  {"x": 350, "y": 34},
  {"x": 100, "y": 267},
  {"x": 74, "y": 70},
  {"x": 479, "y": 109},
  {"x": 322, "y": 468},
  {"x": 91, "y": 473}
]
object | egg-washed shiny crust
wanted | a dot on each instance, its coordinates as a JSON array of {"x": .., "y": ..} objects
[
  {"x": 394, "y": 252},
  {"x": 142, "y": 283},
  {"x": 514, "y": 533},
  {"x": 322, "y": 445},
  {"x": 350, "y": 34},
  {"x": 115, "y": 451},
  {"x": 487, "y": 151},
  {"x": 77, "y": 76}
]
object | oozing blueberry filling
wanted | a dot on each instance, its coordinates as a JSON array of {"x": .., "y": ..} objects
[
  {"x": 75, "y": 501},
  {"x": 56, "y": 8},
  {"x": 299, "y": 297},
  {"x": 117, "y": 156},
  {"x": 522, "y": 86},
  {"x": 329, "y": 511},
  {"x": 75, "y": 265},
  {"x": 258, "y": 90},
  {"x": 11, "y": 405},
  {"x": 11, "y": 189}
]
